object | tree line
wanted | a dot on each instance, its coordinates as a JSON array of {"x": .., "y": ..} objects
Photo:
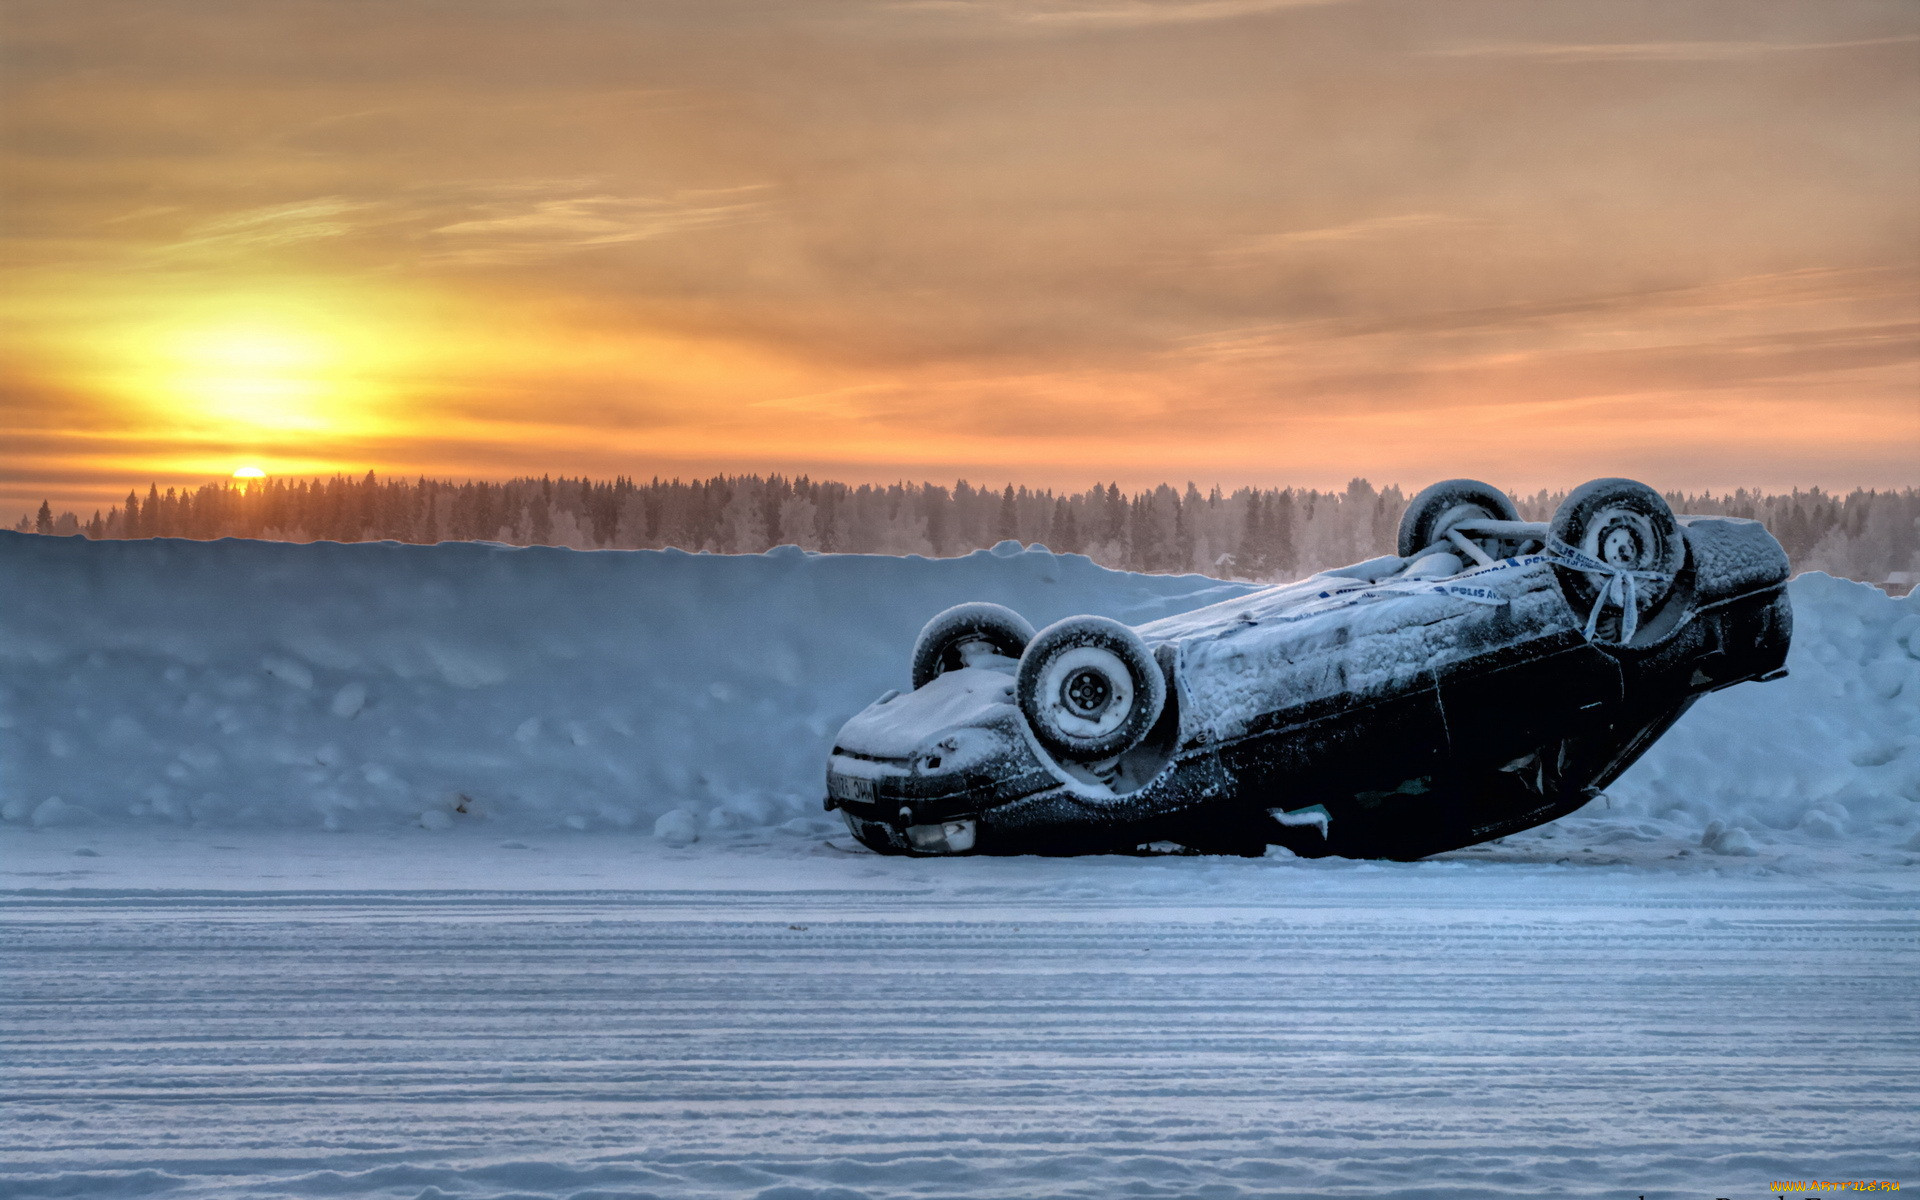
[{"x": 1248, "y": 533}]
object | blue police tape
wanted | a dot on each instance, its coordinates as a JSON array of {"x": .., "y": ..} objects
[
  {"x": 1466, "y": 591},
  {"x": 1619, "y": 587},
  {"x": 1354, "y": 594}
]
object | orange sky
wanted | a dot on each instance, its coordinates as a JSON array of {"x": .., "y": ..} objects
[{"x": 1051, "y": 241}]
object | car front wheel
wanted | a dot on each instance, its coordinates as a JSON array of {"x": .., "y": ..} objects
[{"x": 1089, "y": 688}]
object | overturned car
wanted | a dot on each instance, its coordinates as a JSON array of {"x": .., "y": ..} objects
[{"x": 1491, "y": 676}]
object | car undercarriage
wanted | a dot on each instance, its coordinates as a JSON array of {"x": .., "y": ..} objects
[{"x": 1493, "y": 675}]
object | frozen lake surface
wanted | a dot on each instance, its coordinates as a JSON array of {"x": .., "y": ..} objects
[{"x": 248, "y": 1014}]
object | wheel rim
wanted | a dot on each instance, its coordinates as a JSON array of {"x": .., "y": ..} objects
[
  {"x": 1465, "y": 512},
  {"x": 1088, "y": 693},
  {"x": 1622, "y": 537},
  {"x": 943, "y": 644},
  {"x": 1440, "y": 506}
]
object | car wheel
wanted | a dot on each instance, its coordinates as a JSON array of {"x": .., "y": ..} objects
[
  {"x": 1443, "y": 505},
  {"x": 1629, "y": 534},
  {"x": 1089, "y": 688},
  {"x": 940, "y": 646}
]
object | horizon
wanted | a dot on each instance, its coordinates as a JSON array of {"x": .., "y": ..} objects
[
  {"x": 1246, "y": 533},
  {"x": 116, "y": 499}
]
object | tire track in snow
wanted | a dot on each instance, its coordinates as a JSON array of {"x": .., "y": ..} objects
[{"x": 528, "y": 1045}]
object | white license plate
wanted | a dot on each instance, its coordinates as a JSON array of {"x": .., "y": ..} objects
[{"x": 850, "y": 787}]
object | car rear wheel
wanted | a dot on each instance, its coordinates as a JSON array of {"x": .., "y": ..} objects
[
  {"x": 944, "y": 642},
  {"x": 1443, "y": 505},
  {"x": 1089, "y": 688},
  {"x": 1619, "y": 547}
]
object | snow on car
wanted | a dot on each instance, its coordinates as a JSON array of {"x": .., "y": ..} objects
[{"x": 1492, "y": 675}]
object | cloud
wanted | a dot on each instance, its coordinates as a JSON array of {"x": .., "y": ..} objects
[
  {"x": 1812, "y": 298},
  {"x": 493, "y": 222},
  {"x": 1700, "y": 51},
  {"x": 538, "y": 229},
  {"x": 1366, "y": 230},
  {"x": 275, "y": 225},
  {"x": 1106, "y": 14},
  {"x": 143, "y": 214}
]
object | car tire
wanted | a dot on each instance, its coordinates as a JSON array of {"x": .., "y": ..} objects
[
  {"x": 1441, "y": 506},
  {"x": 1089, "y": 688},
  {"x": 1625, "y": 524},
  {"x": 937, "y": 650}
]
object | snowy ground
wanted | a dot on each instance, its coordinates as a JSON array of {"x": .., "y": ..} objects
[
  {"x": 267, "y": 1014},
  {"x": 250, "y": 948}
]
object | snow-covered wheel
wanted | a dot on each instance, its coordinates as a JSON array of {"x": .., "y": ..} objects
[
  {"x": 1441, "y": 506},
  {"x": 1089, "y": 688},
  {"x": 1627, "y": 534},
  {"x": 944, "y": 643}
]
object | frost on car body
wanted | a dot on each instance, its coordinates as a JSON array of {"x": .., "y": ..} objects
[{"x": 1491, "y": 676}]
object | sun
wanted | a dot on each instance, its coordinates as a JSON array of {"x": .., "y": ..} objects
[{"x": 249, "y": 472}]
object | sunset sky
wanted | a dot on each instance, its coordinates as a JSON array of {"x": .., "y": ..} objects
[{"x": 1047, "y": 241}]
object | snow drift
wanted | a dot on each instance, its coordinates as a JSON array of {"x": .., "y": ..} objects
[
  {"x": 339, "y": 686},
  {"x": 262, "y": 684},
  {"x": 1831, "y": 750}
]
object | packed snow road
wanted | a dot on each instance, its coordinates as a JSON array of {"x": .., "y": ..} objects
[{"x": 782, "y": 1021}]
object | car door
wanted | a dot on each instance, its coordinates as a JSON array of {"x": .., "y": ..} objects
[{"x": 1513, "y": 700}]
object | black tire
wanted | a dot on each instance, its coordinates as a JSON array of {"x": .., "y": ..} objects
[
  {"x": 1089, "y": 688},
  {"x": 1441, "y": 506},
  {"x": 1625, "y": 524},
  {"x": 937, "y": 649}
]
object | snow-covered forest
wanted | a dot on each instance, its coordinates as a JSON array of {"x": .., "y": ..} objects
[{"x": 1250, "y": 533}]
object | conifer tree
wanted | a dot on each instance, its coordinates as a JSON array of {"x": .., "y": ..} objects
[
  {"x": 934, "y": 505},
  {"x": 1250, "y": 560},
  {"x": 1064, "y": 535}
]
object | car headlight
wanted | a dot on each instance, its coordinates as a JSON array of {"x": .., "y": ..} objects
[{"x": 947, "y": 837}]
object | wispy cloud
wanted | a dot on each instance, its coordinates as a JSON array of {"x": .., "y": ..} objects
[
  {"x": 493, "y": 222},
  {"x": 275, "y": 225},
  {"x": 1110, "y": 14},
  {"x": 1267, "y": 245},
  {"x": 536, "y": 229},
  {"x": 142, "y": 214},
  {"x": 1701, "y": 51},
  {"x": 1815, "y": 297}
]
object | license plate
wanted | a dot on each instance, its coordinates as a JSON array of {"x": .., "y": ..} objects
[{"x": 850, "y": 787}]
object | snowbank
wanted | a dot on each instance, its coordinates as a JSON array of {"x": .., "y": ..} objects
[
  {"x": 1829, "y": 752},
  {"x": 259, "y": 684},
  {"x": 242, "y": 683}
]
